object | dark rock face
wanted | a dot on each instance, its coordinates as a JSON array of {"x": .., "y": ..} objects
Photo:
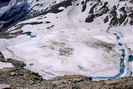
[
  {"x": 90, "y": 18},
  {"x": 55, "y": 8},
  {"x": 13, "y": 15},
  {"x": 4, "y": 1},
  {"x": 117, "y": 17},
  {"x": 106, "y": 19},
  {"x": 84, "y": 5},
  {"x": 1, "y": 55}
]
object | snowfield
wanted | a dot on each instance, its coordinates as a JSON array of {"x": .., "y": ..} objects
[
  {"x": 64, "y": 44},
  {"x": 68, "y": 51}
]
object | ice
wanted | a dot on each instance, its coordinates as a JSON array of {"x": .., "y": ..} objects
[{"x": 67, "y": 45}]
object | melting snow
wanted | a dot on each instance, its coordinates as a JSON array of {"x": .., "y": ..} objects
[{"x": 68, "y": 45}]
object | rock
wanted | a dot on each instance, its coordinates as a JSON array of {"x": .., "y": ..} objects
[
  {"x": 25, "y": 79},
  {"x": 130, "y": 82},
  {"x": 76, "y": 87},
  {"x": 66, "y": 51},
  {"x": 106, "y": 19},
  {"x": 1, "y": 55},
  {"x": 13, "y": 73},
  {"x": 47, "y": 22},
  {"x": 90, "y": 18},
  {"x": 32, "y": 82},
  {"x": 16, "y": 63}
]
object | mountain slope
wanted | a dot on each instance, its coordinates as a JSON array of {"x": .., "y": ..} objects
[
  {"x": 18, "y": 10},
  {"x": 64, "y": 37}
]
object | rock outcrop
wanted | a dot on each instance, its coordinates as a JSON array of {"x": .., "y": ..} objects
[{"x": 22, "y": 78}]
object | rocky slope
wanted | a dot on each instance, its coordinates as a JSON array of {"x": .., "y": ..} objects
[{"x": 25, "y": 79}]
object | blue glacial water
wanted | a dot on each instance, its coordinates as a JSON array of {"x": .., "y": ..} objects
[
  {"x": 48, "y": 73},
  {"x": 31, "y": 64},
  {"x": 122, "y": 65},
  {"x": 32, "y": 36},
  {"x": 120, "y": 44}
]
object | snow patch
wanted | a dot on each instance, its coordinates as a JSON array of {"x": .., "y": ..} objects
[{"x": 5, "y": 65}]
